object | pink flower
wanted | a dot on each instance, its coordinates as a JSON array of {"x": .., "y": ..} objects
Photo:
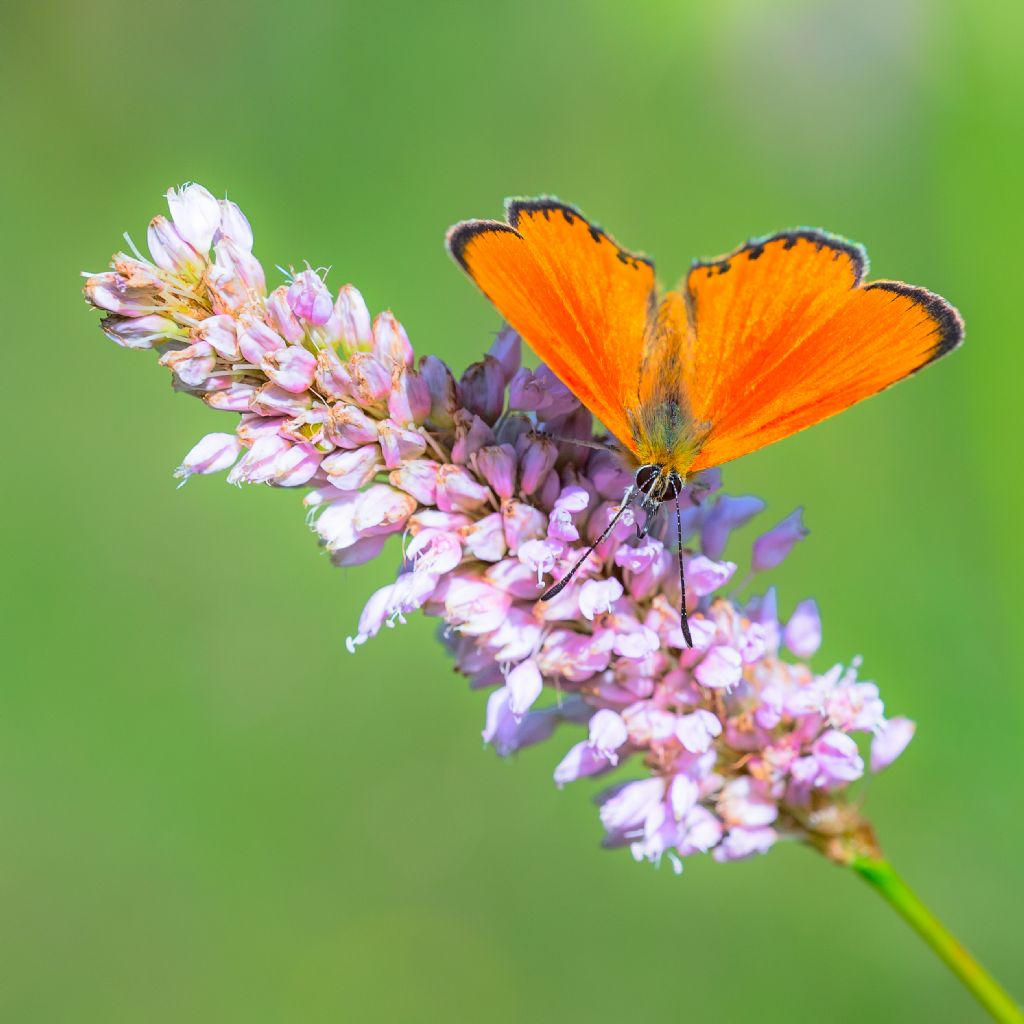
[
  {"x": 838, "y": 758},
  {"x": 721, "y": 668},
  {"x": 771, "y": 548},
  {"x": 290, "y": 368},
  {"x": 890, "y": 741},
  {"x": 213, "y": 454},
  {"x": 802, "y": 634},
  {"x": 196, "y": 215},
  {"x": 309, "y": 298},
  {"x": 607, "y": 733}
]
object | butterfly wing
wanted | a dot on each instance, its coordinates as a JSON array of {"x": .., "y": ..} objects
[
  {"x": 784, "y": 332},
  {"x": 578, "y": 299}
]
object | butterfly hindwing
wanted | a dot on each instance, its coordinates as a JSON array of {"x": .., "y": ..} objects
[
  {"x": 578, "y": 299},
  {"x": 785, "y": 333}
]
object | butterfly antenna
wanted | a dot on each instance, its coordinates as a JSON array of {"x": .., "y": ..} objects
[
  {"x": 563, "y": 582},
  {"x": 682, "y": 579}
]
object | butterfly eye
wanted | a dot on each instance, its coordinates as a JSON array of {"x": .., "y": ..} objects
[{"x": 646, "y": 477}]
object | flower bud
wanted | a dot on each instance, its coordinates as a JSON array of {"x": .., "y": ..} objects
[
  {"x": 443, "y": 391},
  {"x": 291, "y": 368},
  {"x": 525, "y": 684},
  {"x": 582, "y": 761},
  {"x": 471, "y": 434},
  {"x": 349, "y": 324},
  {"x": 704, "y": 576},
  {"x": 281, "y": 317},
  {"x": 234, "y": 398},
  {"x": 771, "y": 548},
  {"x": 221, "y": 334},
  {"x": 382, "y": 509},
  {"x": 309, "y": 298},
  {"x": 537, "y": 460},
  {"x": 720, "y": 669},
  {"x": 522, "y": 522},
  {"x": 457, "y": 491},
  {"x": 482, "y": 388},
  {"x": 726, "y": 515},
  {"x": 485, "y": 539},
  {"x": 890, "y": 741},
  {"x": 271, "y": 400},
  {"x": 390, "y": 342},
  {"x": 196, "y": 215},
  {"x": 354, "y": 469},
  {"x": 418, "y": 478},
  {"x": 507, "y": 350},
  {"x": 598, "y": 596},
  {"x": 142, "y": 332},
  {"x": 191, "y": 365},
  {"x": 170, "y": 251},
  {"x": 802, "y": 634},
  {"x": 108, "y": 291},
  {"x": 399, "y": 444},
  {"x": 838, "y": 758},
  {"x": 349, "y": 427},
  {"x": 607, "y": 733},
  {"x": 497, "y": 465},
  {"x": 212, "y": 454},
  {"x": 234, "y": 224},
  {"x": 409, "y": 400},
  {"x": 257, "y": 340},
  {"x": 371, "y": 380}
]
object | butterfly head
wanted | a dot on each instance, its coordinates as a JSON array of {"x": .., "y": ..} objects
[{"x": 657, "y": 484}]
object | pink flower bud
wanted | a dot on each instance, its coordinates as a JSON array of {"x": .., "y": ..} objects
[
  {"x": 696, "y": 731},
  {"x": 349, "y": 427},
  {"x": 443, "y": 391},
  {"x": 309, "y": 427},
  {"x": 609, "y": 475},
  {"x": 333, "y": 380},
  {"x": 802, "y": 634},
  {"x": 838, "y": 758},
  {"x": 418, "y": 478},
  {"x": 281, "y": 317},
  {"x": 771, "y": 548},
  {"x": 108, "y": 291},
  {"x": 257, "y": 340},
  {"x": 457, "y": 491},
  {"x": 234, "y": 398},
  {"x": 409, "y": 401},
  {"x": 485, "y": 539},
  {"x": 598, "y": 596},
  {"x": 272, "y": 400},
  {"x": 482, "y": 388},
  {"x": 349, "y": 324},
  {"x": 170, "y": 251},
  {"x": 234, "y": 224},
  {"x": 191, "y": 365},
  {"x": 382, "y": 509},
  {"x": 259, "y": 463},
  {"x": 297, "y": 466},
  {"x": 539, "y": 555},
  {"x": 607, "y": 733},
  {"x": 309, "y": 298},
  {"x": 475, "y": 606},
  {"x": 354, "y": 469},
  {"x": 581, "y": 761},
  {"x": 291, "y": 368},
  {"x": 390, "y": 342},
  {"x": 471, "y": 434},
  {"x": 522, "y": 523},
  {"x": 221, "y": 334},
  {"x": 525, "y": 685},
  {"x": 744, "y": 803},
  {"x": 720, "y": 669},
  {"x": 745, "y": 842},
  {"x": 213, "y": 453},
  {"x": 497, "y": 465},
  {"x": 537, "y": 461},
  {"x": 434, "y": 551},
  {"x": 726, "y": 515},
  {"x": 399, "y": 444},
  {"x": 371, "y": 380},
  {"x": 704, "y": 577},
  {"x": 141, "y": 332},
  {"x": 507, "y": 350},
  {"x": 629, "y": 807},
  {"x": 236, "y": 275},
  {"x": 500, "y": 727},
  {"x": 196, "y": 215},
  {"x": 365, "y": 549},
  {"x": 890, "y": 741}
]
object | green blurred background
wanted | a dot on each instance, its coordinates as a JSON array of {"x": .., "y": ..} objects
[{"x": 210, "y": 811}]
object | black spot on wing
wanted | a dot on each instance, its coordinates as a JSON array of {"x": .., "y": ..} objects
[
  {"x": 546, "y": 206},
  {"x": 949, "y": 324},
  {"x": 461, "y": 234},
  {"x": 755, "y": 248}
]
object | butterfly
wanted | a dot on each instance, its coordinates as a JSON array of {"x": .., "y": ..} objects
[{"x": 752, "y": 347}]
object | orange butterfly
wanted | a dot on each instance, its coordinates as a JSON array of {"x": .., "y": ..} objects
[{"x": 753, "y": 346}]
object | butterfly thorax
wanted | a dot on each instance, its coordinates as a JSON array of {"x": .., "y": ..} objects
[{"x": 665, "y": 435}]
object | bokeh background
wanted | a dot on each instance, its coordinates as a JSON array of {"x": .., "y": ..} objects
[{"x": 209, "y": 811}]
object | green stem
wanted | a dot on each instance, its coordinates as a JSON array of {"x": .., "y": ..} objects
[{"x": 878, "y": 873}]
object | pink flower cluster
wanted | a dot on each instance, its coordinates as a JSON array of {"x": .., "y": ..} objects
[{"x": 496, "y": 484}]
